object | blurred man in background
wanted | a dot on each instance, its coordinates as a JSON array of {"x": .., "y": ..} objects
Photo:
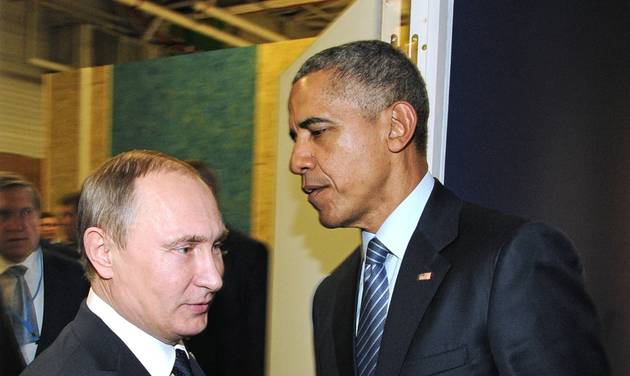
[
  {"x": 41, "y": 290},
  {"x": 233, "y": 344},
  {"x": 68, "y": 207},
  {"x": 49, "y": 228}
]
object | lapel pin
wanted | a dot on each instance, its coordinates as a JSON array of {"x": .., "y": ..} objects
[{"x": 424, "y": 276}]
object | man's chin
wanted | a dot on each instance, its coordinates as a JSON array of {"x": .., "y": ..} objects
[
  {"x": 329, "y": 221},
  {"x": 194, "y": 327},
  {"x": 16, "y": 254}
]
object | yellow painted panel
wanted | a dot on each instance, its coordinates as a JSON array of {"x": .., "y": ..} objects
[
  {"x": 101, "y": 148},
  {"x": 272, "y": 60},
  {"x": 61, "y": 100}
]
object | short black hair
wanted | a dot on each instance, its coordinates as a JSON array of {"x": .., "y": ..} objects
[{"x": 375, "y": 75}]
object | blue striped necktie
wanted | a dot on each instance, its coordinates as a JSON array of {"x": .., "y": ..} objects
[
  {"x": 19, "y": 304},
  {"x": 373, "y": 308}
]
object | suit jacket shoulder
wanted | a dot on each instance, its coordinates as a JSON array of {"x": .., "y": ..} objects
[
  {"x": 86, "y": 347},
  {"x": 65, "y": 287},
  {"x": 503, "y": 296}
]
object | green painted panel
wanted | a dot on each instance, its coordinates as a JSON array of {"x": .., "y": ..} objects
[{"x": 198, "y": 106}]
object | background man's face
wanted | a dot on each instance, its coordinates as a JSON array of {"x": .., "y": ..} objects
[
  {"x": 171, "y": 266},
  {"x": 69, "y": 221},
  {"x": 19, "y": 221},
  {"x": 48, "y": 228}
]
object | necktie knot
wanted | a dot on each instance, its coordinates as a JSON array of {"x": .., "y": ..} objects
[
  {"x": 376, "y": 252},
  {"x": 16, "y": 271},
  {"x": 182, "y": 364}
]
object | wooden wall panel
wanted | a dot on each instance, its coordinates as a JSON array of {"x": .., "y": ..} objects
[{"x": 272, "y": 60}]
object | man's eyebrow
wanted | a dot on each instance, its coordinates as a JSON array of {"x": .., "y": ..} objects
[
  {"x": 186, "y": 239},
  {"x": 306, "y": 123}
]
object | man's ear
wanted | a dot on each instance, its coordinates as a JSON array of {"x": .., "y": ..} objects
[
  {"x": 98, "y": 251},
  {"x": 402, "y": 126}
]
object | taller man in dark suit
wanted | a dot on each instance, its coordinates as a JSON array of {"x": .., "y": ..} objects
[
  {"x": 233, "y": 343},
  {"x": 151, "y": 232},
  {"x": 439, "y": 286},
  {"x": 42, "y": 290}
]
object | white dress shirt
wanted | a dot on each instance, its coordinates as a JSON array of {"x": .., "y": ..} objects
[
  {"x": 34, "y": 277},
  {"x": 156, "y": 356},
  {"x": 395, "y": 234}
]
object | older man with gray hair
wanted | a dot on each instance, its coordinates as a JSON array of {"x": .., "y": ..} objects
[
  {"x": 41, "y": 290},
  {"x": 151, "y": 235}
]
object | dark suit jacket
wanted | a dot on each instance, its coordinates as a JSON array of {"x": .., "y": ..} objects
[
  {"x": 87, "y": 347},
  {"x": 11, "y": 362},
  {"x": 505, "y": 297},
  {"x": 233, "y": 343},
  {"x": 64, "y": 288}
]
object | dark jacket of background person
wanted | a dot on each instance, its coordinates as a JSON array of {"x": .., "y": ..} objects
[
  {"x": 11, "y": 362},
  {"x": 65, "y": 287}
]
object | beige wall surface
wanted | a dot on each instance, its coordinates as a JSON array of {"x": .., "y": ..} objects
[{"x": 304, "y": 251}]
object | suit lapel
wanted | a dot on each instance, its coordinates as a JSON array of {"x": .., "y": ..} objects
[
  {"x": 108, "y": 351},
  {"x": 413, "y": 293},
  {"x": 196, "y": 368},
  {"x": 344, "y": 315}
]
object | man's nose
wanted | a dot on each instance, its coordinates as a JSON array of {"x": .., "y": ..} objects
[
  {"x": 16, "y": 222},
  {"x": 210, "y": 271},
  {"x": 302, "y": 159}
]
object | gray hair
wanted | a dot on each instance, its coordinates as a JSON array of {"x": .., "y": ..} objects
[
  {"x": 10, "y": 180},
  {"x": 374, "y": 75}
]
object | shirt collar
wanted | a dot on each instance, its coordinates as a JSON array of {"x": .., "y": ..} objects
[
  {"x": 156, "y": 356},
  {"x": 32, "y": 262},
  {"x": 399, "y": 226}
]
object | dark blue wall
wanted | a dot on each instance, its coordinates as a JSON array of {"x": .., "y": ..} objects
[{"x": 539, "y": 126}]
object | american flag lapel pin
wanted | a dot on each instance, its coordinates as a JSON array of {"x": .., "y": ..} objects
[{"x": 424, "y": 276}]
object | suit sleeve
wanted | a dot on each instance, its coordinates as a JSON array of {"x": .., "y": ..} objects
[{"x": 541, "y": 321}]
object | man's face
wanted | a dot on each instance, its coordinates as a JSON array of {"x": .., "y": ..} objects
[
  {"x": 48, "y": 228},
  {"x": 19, "y": 220},
  {"x": 340, "y": 154},
  {"x": 69, "y": 221},
  {"x": 171, "y": 267}
]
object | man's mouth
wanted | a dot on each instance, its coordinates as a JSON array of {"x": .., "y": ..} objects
[
  {"x": 313, "y": 192},
  {"x": 17, "y": 240},
  {"x": 199, "y": 308}
]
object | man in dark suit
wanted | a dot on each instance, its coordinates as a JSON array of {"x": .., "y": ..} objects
[
  {"x": 439, "y": 286},
  {"x": 151, "y": 236},
  {"x": 11, "y": 360},
  {"x": 233, "y": 343},
  {"x": 56, "y": 285}
]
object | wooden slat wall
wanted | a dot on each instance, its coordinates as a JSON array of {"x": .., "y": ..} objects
[
  {"x": 272, "y": 60},
  {"x": 63, "y": 111}
]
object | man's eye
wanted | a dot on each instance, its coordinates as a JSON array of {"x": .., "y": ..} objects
[
  {"x": 26, "y": 212},
  {"x": 318, "y": 132},
  {"x": 219, "y": 248},
  {"x": 183, "y": 249}
]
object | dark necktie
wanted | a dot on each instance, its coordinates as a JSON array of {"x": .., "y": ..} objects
[
  {"x": 182, "y": 364},
  {"x": 19, "y": 304},
  {"x": 373, "y": 308}
]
